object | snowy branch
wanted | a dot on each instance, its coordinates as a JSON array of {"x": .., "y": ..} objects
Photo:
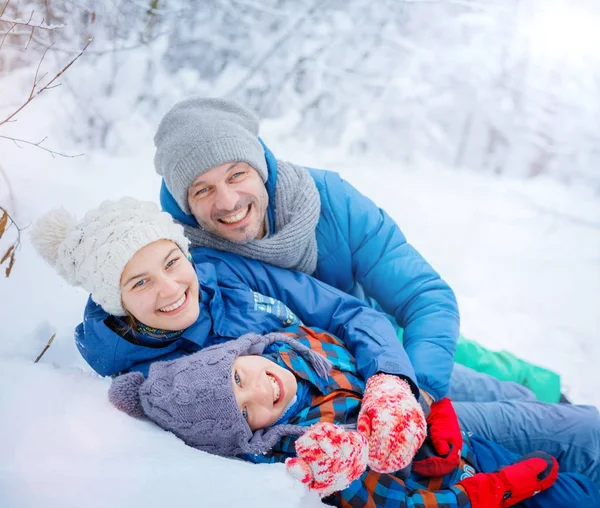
[
  {"x": 28, "y": 23},
  {"x": 14, "y": 22},
  {"x": 260, "y": 61}
]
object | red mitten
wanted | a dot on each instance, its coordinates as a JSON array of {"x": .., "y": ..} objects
[
  {"x": 329, "y": 458},
  {"x": 392, "y": 421},
  {"x": 446, "y": 439},
  {"x": 512, "y": 484}
]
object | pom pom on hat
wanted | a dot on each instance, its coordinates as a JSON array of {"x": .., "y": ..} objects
[
  {"x": 124, "y": 393},
  {"x": 93, "y": 252},
  {"x": 50, "y": 231}
]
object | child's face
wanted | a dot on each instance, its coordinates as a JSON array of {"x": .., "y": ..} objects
[
  {"x": 159, "y": 287},
  {"x": 262, "y": 389}
]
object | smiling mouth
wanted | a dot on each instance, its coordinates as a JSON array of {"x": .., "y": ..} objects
[
  {"x": 237, "y": 217},
  {"x": 174, "y": 306},
  {"x": 277, "y": 388}
]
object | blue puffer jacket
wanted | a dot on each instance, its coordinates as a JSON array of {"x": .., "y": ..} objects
[
  {"x": 234, "y": 303},
  {"x": 362, "y": 251}
]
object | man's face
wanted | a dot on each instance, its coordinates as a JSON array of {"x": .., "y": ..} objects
[{"x": 230, "y": 201}]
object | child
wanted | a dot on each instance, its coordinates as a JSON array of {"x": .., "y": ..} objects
[{"x": 253, "y": 397}]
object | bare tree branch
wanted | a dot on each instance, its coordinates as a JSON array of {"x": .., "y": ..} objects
[
  {"x": 33, "y": 94},
  {"x": 38, "y": 144},
  {"x": 100, "y": 52},
  {"x": 6, "y": 34},
  {"x": 277, "y": 43},
  {"x": 29, "y": 24},
  {"x": 4, "y": 8},
  {"x": 48, "y": 344}
]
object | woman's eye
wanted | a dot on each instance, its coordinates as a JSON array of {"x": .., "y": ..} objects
[
  {"x": 245, "y": 413},
  {"x": 238, "y": 381},
  {"x": 139, "y": 283},
  {"x": 172, "y": 262},
  {"x": 237, "y": 174}
]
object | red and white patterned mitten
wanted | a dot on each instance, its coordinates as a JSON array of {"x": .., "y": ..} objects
[
  {"x": 329, "y": 458},
  {"x": 392, "y": 421}
]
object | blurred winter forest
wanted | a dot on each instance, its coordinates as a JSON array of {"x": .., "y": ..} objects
[{"x": 505, "y": 87}]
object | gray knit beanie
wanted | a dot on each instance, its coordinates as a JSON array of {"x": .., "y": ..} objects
[
  {"x": 198, "y": 134},
  {"x": 193, "y": 397},
  {"x": 92, "y": 252}
]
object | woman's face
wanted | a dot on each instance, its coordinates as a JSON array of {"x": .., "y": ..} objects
[
  {"x": 159, "y": 287},
  {"x": 262, "y": 389}
]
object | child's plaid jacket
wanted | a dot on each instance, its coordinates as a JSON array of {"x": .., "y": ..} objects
[{"x": 337, "y": 400}]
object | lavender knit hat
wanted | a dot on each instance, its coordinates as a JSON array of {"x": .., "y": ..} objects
[{"x": 192, "y": 396}]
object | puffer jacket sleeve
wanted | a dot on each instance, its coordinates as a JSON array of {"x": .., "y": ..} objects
[
  {"x": 392, "y": 272},
  {"x": 367, "y": 333}
]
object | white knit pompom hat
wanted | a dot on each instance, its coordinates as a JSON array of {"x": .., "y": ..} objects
[{"x": 93, "y": 252}]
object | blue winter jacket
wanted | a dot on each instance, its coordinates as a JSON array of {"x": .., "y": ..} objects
[
  {"x": 363, "y": 252},
  {"x": 242, "y": 295}
]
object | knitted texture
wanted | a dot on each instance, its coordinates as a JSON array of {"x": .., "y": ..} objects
[
  {"x": 446, "y": 439},
  {"x": 392, "y": 421},
  {"x": 193, "y": 397},
  {"x": 293, "y": 244},
  {"x": 93, "y": 252},
  {"x": 198, "y": 134},
  {"x": 329, "y": 458},
  {"x": 124, "y": 394},
  {"x": 525, "y": 478}
]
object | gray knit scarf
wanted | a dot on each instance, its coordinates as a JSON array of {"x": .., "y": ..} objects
[{"x": 293, "y": 244}]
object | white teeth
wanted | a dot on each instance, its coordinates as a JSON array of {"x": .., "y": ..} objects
[
  {"x": 174, "y": 306},
  {"x": 237, "y": 217},
  {"x": 275, "y": 385}
]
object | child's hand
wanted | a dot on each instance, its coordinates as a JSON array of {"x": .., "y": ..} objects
[
  {"x": 446, "y": 439},
  {"x": 329, "y": 458},
  {"x": 392, "y": 421},
  {"x": 512, "y": 484}
]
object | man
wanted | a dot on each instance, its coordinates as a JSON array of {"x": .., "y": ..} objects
[{"x": 233, "y": 195}]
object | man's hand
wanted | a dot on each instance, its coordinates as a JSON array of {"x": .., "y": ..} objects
[
  {"x": 512, "y": 484},
  {"x": 329, "y": 458},
  {"x": 392, "y": 421},
  {"x": 445, "y": 436}
]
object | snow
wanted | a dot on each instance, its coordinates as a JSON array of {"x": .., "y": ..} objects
[{"x": 522, "y": 256}]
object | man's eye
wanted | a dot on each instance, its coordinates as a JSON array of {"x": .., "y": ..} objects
[
  {"x": 245, "y": 413},
  {"x": 139, "y": 283},
  {"x": 199, "y": 192},
  {"x": 238, "y": 381},
  {"x": 237, "y": 174},
  {"x": 172, "y": 262}
]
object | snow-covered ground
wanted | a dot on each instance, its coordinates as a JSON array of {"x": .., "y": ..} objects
[{"x": 523, "y": 258}]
